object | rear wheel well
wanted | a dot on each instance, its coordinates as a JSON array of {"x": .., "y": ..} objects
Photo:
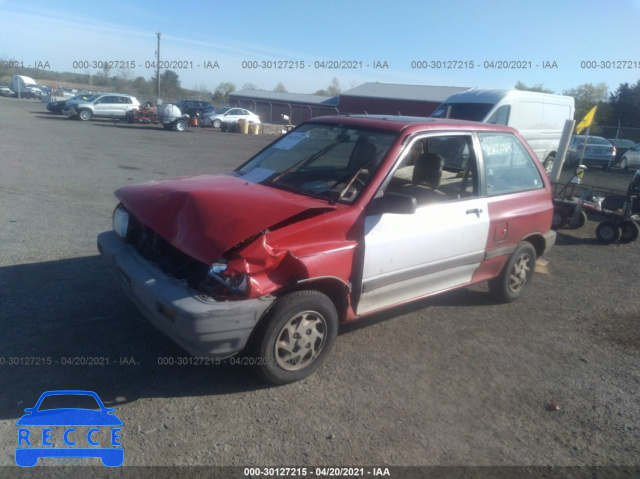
[{"x": 538, "y": 242}]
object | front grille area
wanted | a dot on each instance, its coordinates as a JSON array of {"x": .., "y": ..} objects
[{"x": 160, "y": 252}]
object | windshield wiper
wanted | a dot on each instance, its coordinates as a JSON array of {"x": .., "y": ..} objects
[{"x": 309, "y": 159}]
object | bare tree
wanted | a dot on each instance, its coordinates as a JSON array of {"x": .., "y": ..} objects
[
  {"x": 280, "y": 88},
  {"x": 334, "y": 87},
  {"x": 223, "y": 90}
]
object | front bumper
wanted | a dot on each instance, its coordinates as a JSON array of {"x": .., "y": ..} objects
[{"x": 198, "y": 323}]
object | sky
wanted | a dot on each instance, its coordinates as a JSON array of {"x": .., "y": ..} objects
[{"x": 304, "y": 44}]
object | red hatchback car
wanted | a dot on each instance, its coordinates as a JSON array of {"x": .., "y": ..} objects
[{"x": 342, "y": 217}]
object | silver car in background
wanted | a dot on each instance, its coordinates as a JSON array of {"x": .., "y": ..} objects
[
  {"x": 229, "y": 115},
  {"x": 597, "y": 152},
  {"x": 631, "y": 159},
  {"x": 105, "y": 105}
]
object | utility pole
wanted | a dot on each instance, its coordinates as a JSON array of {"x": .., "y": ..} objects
[{"x": 158, "y": 99}]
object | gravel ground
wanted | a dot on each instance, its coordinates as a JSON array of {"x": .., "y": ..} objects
[{"x": 545, "y": 383}]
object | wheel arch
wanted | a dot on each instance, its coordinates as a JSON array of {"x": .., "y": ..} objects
[
  {"x": 334, "y": 288},
  {"x": 538, "y": 242}
]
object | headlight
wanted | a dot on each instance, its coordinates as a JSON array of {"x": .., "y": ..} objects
[
  {"x": 219, "y": 283},
  {"x": 121, "y": 222}
]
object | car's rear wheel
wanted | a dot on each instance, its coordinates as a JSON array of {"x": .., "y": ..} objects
[
  {"x": 608, "y": 232},
  {"x": 296, "y": 336},
  {"x": 515, "y": 275},
  {"x": 85, "y": 115},
  {"x": 629, "y": 231}
]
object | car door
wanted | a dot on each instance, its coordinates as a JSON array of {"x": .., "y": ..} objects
[
  {"x": 437, "y": 247},
  {"x": 104, "y": 106},
  {"x": 122, "y": 106},
  {"x": 233, "y": 115}
]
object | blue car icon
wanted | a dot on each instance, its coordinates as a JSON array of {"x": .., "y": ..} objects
[{"x": 96, "y": 418}]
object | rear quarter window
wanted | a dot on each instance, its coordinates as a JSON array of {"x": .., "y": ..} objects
[{"x": 508, "y": 166}]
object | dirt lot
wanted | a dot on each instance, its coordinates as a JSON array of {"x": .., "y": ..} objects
[{"x": 456, "y": 380}]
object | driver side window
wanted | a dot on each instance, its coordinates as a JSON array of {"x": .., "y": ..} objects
[{"x": 436, "y": 169}]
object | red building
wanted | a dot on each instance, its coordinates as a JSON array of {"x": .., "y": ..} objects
[
  {"x": 395, "y": 99},
  {"x": 368, "y": 98}
]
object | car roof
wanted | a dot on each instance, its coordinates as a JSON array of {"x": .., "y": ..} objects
[
  {"x": 409, "y": 123},
  {"x": 117, "y": 94}
]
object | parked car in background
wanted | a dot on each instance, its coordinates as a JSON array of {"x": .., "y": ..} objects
[
  {"x": 598, "y": 152},
  {"x": 6, "y": 91},
  {"x": 631, "y": 158},
  {"x": 106, "y": 105},
  {"x": 229, "y": 115},
  {"x": 340, "y": 218},
  {"x": 58, "y": 106},
  {"x": 194, "y": 107},
  {"x": 621, "y": 147}
]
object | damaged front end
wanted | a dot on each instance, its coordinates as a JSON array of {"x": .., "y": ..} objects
[{"x": 250, "y": 269}]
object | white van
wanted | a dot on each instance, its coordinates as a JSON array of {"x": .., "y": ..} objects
[
  {"x": 539, "y": 117},
  {"x": 26, "y": 86}
]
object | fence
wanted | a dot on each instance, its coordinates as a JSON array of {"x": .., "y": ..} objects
[
  {"x": 621, "y": 133},
  {"x": 272, "y": 111}
]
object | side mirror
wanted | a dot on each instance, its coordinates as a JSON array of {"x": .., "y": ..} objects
[{"x": 395, "y": 203}]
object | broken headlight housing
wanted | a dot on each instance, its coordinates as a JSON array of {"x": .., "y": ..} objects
[{"x": 221, "y": 283}]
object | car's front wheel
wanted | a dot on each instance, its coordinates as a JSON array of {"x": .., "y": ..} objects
[
  {"x": 217, "y": 123},
  {"x": 85, "y": 115},
  {"x": 296, "y": 336},
  {"x": 515, "y": 275}
]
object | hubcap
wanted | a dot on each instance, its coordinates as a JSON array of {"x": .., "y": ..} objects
[
  {"x": 606, "y": 232},
  {"x": 519, "y": 273},
  {"x": 300, "y": 341}
]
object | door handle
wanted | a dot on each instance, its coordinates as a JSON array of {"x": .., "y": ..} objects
[{"x": 475, "y": 211}]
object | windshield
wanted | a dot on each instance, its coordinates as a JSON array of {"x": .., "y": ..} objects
[
  {"x": 321, "y": 160},
  {"x": 220, "y": 111},
  {"x": 463, "y": 111}
]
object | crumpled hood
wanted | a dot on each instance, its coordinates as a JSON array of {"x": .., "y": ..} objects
[{"x": 203, "y": 216}]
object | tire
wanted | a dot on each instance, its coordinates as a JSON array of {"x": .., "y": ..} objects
[
  {"x": 515, "y": 275},
  {"x": 624, "y": 163},
  {"x": 548, "y": 164},
  {"x": 608, "y": 232},
  {"x": 278, "y": 348},
  {"x": 629, "y": 231},
  {"x": 85, "y": 115},
  {"x": 217, "y": 123},
  {"x": 579, "y": 222},
  {"x": 559, "y": 219},
  {"x": 180, "y": 125}
]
